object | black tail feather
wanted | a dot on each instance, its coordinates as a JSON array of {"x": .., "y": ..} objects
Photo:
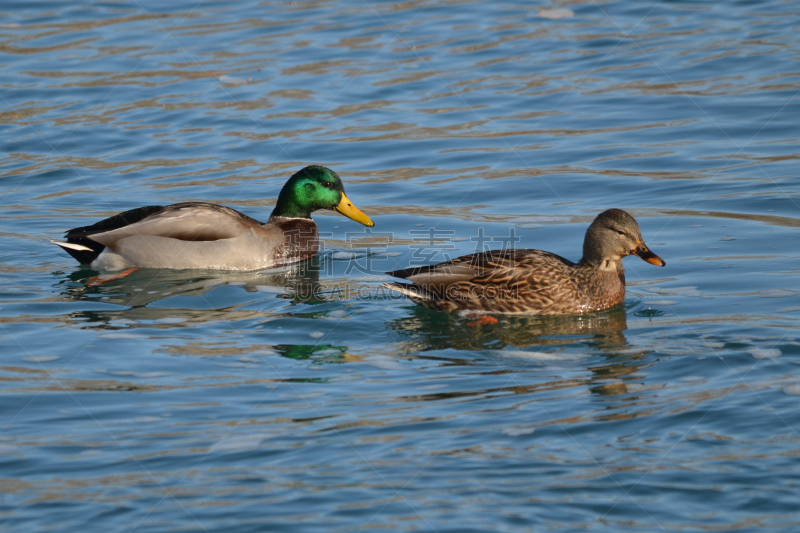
[
  {"x": 82, "y": 235},
  {"x": 84, "y": 257},
  {"x": 126, "y": 218}
]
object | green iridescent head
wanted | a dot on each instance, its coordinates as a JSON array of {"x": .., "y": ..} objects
[{"x": 312, "y": 188}]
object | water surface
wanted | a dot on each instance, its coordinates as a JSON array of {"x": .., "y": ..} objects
[{"x": 309, "y": 399}]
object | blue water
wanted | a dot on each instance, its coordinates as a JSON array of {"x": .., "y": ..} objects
[{"x": 310, "y": 400}]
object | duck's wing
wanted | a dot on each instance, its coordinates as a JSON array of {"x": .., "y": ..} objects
[
  {"x": 190, "y": 221},
  {"x": 528, "y": 274},
  {"x": 118, "y": 221},
  {"x": 184, "y": 222},
  {"x": 438, "y": 277}
]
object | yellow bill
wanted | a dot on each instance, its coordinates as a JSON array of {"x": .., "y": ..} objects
[{"x": 347, "y": 208}]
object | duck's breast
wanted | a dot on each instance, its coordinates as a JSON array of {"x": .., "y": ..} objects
[{"x": 601, "y": 289}]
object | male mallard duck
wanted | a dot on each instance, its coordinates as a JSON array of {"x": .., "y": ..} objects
[
  {"x": 210, "y": 236},
  {"x": 533, "y": 281}
]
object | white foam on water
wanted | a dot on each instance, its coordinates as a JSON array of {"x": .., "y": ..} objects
[
  {"x": 40, "y": 358},
  {"x": 171, "y": 320},
  {"x": 537, "y": 356},
  {"x": 121, "y": 322},
  {"x": 91, "y": 453},
  {"x": 554, "y": 14},
  {"x": 792, "y": 390},
  {"x": 713, "y": 344},
  {"x": 304, "y": 395},
  {"x": 270, "y": 289},
  {"x": 153, "y": 374},
  {"x": 676, "y": 291},
  {"x": 384, "y": 362},
  {"x": 232, "y": 80},
  {"x": 776, "y": 293},
  {"x": 765, "y": 353},
  {"x": 346, "y": 255},
  {"x": 132, "y": 373},
  {"x": 147, "y": 419},
  {"x": 433, "y": 387},
  {"x": 518, "y": 431},
  {"x": 121, "y": 336},
  {"x": 237, "y": 365},
  {"x": 232, "y": 443}
]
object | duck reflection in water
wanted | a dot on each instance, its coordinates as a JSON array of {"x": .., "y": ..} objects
[
  {"x": 426, "y": 331},
  {"x": 144, "y": 287},
  {"x": 436, "y": 331}
]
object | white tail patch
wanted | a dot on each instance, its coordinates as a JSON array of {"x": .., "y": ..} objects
[
  {"x": 72, "y": 246},
  {"x": 408, "y": 290}
]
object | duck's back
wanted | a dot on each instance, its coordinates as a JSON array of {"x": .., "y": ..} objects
[
  {"x": 513, "y": 281},
  {"x": 194, "y": 235}
]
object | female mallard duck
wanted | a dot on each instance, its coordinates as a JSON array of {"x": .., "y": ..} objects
[
  {"x": 209, "y": 236},
  {"x": 533, "y": 281}
]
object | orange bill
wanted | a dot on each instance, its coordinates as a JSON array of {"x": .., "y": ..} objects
[
  {"x": 347, "y": 208},
  {"x": 644, "y": 252}
]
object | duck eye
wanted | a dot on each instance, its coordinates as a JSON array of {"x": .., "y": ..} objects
[
  {"x": 621, "y": 232},
  {"x": 328, "y": 185}
]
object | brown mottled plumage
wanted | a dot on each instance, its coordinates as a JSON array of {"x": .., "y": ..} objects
[{"x": 533, "y": 281}]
